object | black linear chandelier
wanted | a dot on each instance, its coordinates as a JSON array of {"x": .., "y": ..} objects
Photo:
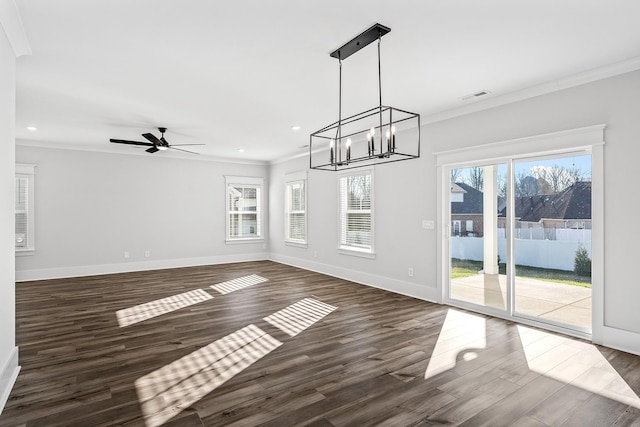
[{"x": 383, "y": 134}]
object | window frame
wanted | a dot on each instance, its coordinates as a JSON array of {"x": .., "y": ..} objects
[
  {"x": 27, "y": 171},
  {"x": 343, "y": 247},
  {"x": 290, "y": 180},
  {"x": 247, "y": 182}
]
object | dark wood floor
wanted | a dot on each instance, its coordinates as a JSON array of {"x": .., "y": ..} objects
[{"x": 298, "y": 348}]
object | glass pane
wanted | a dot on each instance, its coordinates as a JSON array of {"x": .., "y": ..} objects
[
  {"x": 243, "y": 225},
  {"x": 359, "y": 229},
  {"x": 21, "y": 230},
  {"x": 552, "y": 240},
  {"x": 297, "y": 197},
  {"x": 359, "y": 192},
  {"x": 21, "y": 193},
  {"x": 243, "y": 198},
  {"x": 296, "y": 226},
  {"x": 477, "y": 242}
]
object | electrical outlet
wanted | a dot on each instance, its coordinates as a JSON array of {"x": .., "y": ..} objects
[
  {"x": 147, "y": 254},
  {"x": 126, "y": 254},
  {"x": 315, "y": 254},
  {"x": 410, "y": 272}
]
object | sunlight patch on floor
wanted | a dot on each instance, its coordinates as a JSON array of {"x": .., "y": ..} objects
[
  {"x": 167, "y": 391},
  {"x": 577, "y": 364},
  {"x": 461, "y": 336},
  {"x": 299, "y": 316},
  {"x": 149, "y": 310},
  {"x": 239, "y": 283}
]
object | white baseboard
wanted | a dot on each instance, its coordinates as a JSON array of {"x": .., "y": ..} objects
[
  {"x": 126, "y": 267},
  {"x": 8, "y": 376},
  {"x": 414, "y": 290}
]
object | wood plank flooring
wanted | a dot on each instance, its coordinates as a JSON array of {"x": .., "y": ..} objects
[{"x": 264, "y": 344}]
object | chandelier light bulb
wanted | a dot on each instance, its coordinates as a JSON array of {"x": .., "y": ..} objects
[{"x": 332, "y": 151}]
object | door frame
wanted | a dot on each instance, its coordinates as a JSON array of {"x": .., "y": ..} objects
[{"x": 587, "y": 140}]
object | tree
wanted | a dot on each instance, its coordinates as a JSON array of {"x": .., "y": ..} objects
[
  {"x": 476, "y": 177},
  {"x": 526, "y": 185},
  {"x": 557, "y": 177},
  {"x": 455, "y": 175}
]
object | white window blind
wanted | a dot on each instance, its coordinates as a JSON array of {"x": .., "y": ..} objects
[
  {"x": 22, "y": 211},
  {"x": 295, "y": 212},
  {"x": 24, "y": 207},
  {"x": 295, "y": 208},
  {"x": 244, "y": 208},
  {"x": 356, "y": 202}
]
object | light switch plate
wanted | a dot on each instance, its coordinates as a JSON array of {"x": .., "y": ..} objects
[{"x": 428, "y": 224}]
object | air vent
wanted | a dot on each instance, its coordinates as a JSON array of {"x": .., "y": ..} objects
[{"x": 475, "y": 95}]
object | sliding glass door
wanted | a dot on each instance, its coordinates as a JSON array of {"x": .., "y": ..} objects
[
  {"x": 520, "y": 238},
  {"x": 552, "y": 240},
  {"x": 476, "y": 240}
]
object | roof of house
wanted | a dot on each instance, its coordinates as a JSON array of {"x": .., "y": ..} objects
[
  {"x": 574, "y": 202},
  {"x": 472, "y": 203}
]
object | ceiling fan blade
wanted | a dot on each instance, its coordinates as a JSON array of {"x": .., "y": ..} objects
[
  {"x": 151, "y": 137},
  {"x": 180, "y": 149},
  {"x": 152, "y": 149},
  {"x": 181, "y": 145},
  {"x": 124, "y": 141}
]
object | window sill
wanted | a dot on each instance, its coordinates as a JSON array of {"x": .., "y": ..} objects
[
  {"x": 25, "y": 252},
  {"x": 362, "y": 253},
  {"x": 244, "y": 240},
  {"x": 296, "y": 244}
]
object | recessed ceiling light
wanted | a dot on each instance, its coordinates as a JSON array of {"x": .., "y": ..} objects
[
  {"x": 240, "y": 150},
  {"x": 32, "y": 128},
  {"x": 295, "y": 128}
]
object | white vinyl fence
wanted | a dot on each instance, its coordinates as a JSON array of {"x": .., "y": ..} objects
[
  {"x": 555, "y": 254},
  {"x": 582, "y": 235}
]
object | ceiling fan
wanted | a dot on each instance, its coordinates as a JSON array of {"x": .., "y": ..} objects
[{"x": 155, "y": 144}]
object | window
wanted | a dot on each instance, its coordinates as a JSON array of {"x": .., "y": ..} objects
[
  {"x": 469, "y": 226},
  {"x": 24, "y": 207},
  {"x": 295, "y": 215},
  {"x": 356, "y": 212},
  {"x": 456, "y": 228},
  {"x": 244, "y": 209}
]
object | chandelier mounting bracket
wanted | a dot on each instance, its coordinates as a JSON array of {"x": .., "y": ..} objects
[{"x": 358, "y": 42}]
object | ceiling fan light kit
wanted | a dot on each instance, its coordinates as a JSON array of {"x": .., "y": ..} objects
[
  {"x": 382, "y": 134},
  {"x": 155, "y": 144}
]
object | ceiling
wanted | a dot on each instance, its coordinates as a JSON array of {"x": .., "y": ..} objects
[{"x": 239, "y": 74}]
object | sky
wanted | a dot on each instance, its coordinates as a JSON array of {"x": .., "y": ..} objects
[{"x": 583, "y": 162}]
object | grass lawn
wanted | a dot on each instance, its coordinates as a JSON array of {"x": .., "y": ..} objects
[{"x": 464, "y": 268}]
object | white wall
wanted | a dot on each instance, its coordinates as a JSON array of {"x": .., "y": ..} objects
[
  {"x": 92, "y": 207},
  {"x": 8, "y": 351},
  {"x": 406, "y": 192},
  {"x": 402, "y": 200}
]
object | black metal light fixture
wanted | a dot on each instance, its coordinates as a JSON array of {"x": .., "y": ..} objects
[{"x": 382, "y": 134}]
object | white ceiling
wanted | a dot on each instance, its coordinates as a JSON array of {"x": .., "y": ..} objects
[{"x": 239, "y": 74}]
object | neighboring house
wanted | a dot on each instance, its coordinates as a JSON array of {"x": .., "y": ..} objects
[
  {"x": 546, "y": 214},
  {"x": 466, "y": 210},
  {"x": 542, "y": 216}
]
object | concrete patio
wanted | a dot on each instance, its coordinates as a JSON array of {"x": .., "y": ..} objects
[{"x": 557, "y": 302}]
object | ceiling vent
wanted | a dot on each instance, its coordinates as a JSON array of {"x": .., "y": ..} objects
[{"x": 476, "y": 95}]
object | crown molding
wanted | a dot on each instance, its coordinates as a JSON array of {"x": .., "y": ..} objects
[
  {"x": 12, "y": 25},
  {"x": 578, "y": 79},
  {"x": 122, "y": 151}
]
